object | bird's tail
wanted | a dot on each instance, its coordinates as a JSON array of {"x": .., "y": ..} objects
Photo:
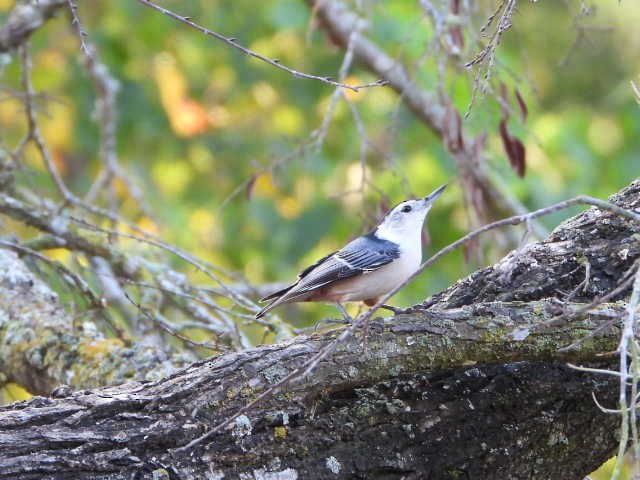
[
  {"x": 264, "y": 311},
  {"x": 276, "y": 298}
]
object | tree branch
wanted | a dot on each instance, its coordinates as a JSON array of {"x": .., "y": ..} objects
[
  {"x": 435, "y": 110},
  {"x": 131, "y": 428},
  {"x": 432, "y": 392},
  {"x": 24, "y": 19},
  {"x": 42, "y": 346}
]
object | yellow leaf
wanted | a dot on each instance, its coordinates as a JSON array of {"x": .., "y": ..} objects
[
  {"x": 149, "y": 225},
  {"x": 12, "y": 392},
  {"x": 289, "y": 207},
  {"x": 60, "y": 254},
  {"x": 187, "y": 116},
  {"x": 172, "y": 177},
  {"x": 264, "y": 186},
  {"x": 288, "y": 120},
  {"x": 352, "y": 94}
]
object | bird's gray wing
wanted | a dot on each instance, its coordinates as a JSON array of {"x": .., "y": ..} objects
[
  {"x": 365, "y": 254},
  {"x": 302, "y": 274}
]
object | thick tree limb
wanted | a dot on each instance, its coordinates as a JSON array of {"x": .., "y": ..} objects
[
  {"x": 24, "y": 19},
  {"x": 604, "y": 241},
  {"x": 42, "y": 348},
  {"x": 378, "y": 388},
  {"x": 472, "y": 386}
]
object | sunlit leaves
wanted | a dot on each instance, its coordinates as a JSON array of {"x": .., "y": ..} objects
[
  {"x": 187, "y": 116},
  {"x": 605, "y": 135},
  {"x": 172, "y": 177}
]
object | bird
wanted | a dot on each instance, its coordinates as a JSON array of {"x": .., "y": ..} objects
[{"x": 367, "y": 268}]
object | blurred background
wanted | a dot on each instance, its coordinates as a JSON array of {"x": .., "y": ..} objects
[
  {"x": 225, "y": 150},
  {"x": 198, "y": 120}
]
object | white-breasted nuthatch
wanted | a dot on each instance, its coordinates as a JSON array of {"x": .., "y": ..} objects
[{"x": 367, "y": 268}]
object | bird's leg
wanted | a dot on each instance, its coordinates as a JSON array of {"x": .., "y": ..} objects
[
  {"x": 396, "y": 310},
  {"x": 347, "y": 320},
  {"x": 345, "y": 314}
]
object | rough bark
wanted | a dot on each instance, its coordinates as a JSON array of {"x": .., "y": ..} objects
[
  {"x": 42, "y": 347},
  {"x": 472, "y": 387},
  {"x": 396, "y": 395},
  {"x": 600, "y": 243}
]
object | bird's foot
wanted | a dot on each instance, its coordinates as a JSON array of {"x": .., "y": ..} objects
[
  {"x": 396, "y": 310},
  {"x": 345, "y": 314},
  {"x": 333, "y": 321}
]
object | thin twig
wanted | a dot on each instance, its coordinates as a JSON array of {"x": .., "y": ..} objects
[
  {"x": 624, "y": 283},
  {"x": 72, "y": 279},
  {"x": 271, "y": 61},
  {"x": 626, "y": 340},
  {"x": 321, "y": 133},
  {"x": 164, "y": 325},
  {"x": 68, "y": 276},
  {"x": 237, "y": 297},
  {"x": 486, "y": 56},
  {"x": 34, "y": 131}
]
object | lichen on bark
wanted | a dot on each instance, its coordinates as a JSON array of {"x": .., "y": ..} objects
[{"x": 42, "y": 346}]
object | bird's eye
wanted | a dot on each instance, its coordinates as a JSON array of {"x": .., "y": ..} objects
[{"x": 406, "y": 209}]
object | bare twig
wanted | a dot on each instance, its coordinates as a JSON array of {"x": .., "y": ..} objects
[
  {"x": 164, "y": 324},
  {"x": 486, "y": 57},
  {"x": 124, "y": 266},
  {"x": 34, "y": 131},
  {"x": 624, "y": 283},
  {"x": 627, "y": 347},
  {"x": 68, "y": 276},
  {"x": 74, "y": 280},
  {"x": 432, "y": 108},
  {"x": 271, "y": 61},
  {"x": 35, "y": 135},
  {"x": 320, "y": 134},
  {"x": 106, "y": 87},
  {"x": 238, "y": 298}
]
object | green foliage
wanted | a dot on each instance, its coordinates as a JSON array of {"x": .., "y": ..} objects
[{"x": 197, "y": 120}]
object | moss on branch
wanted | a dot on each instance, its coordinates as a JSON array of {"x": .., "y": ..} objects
[{"x": 42, "y": 346}]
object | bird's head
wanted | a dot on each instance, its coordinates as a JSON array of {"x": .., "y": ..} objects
[{"x": 406, "y": 219}]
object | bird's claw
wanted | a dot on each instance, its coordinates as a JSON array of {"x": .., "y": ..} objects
[
  {"x": 339, "y": 321},
  {"x": 395, "y": 310}
]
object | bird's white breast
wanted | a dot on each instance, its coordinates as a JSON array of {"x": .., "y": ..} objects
[{"x": 374, "y": 284}]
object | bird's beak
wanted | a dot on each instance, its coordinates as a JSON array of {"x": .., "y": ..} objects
[{"x": 429, "y": 199}]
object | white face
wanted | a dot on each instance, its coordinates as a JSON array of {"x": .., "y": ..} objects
[
  {"x": 407, "y": 217},
  {"x": 403, "y": 224}
]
